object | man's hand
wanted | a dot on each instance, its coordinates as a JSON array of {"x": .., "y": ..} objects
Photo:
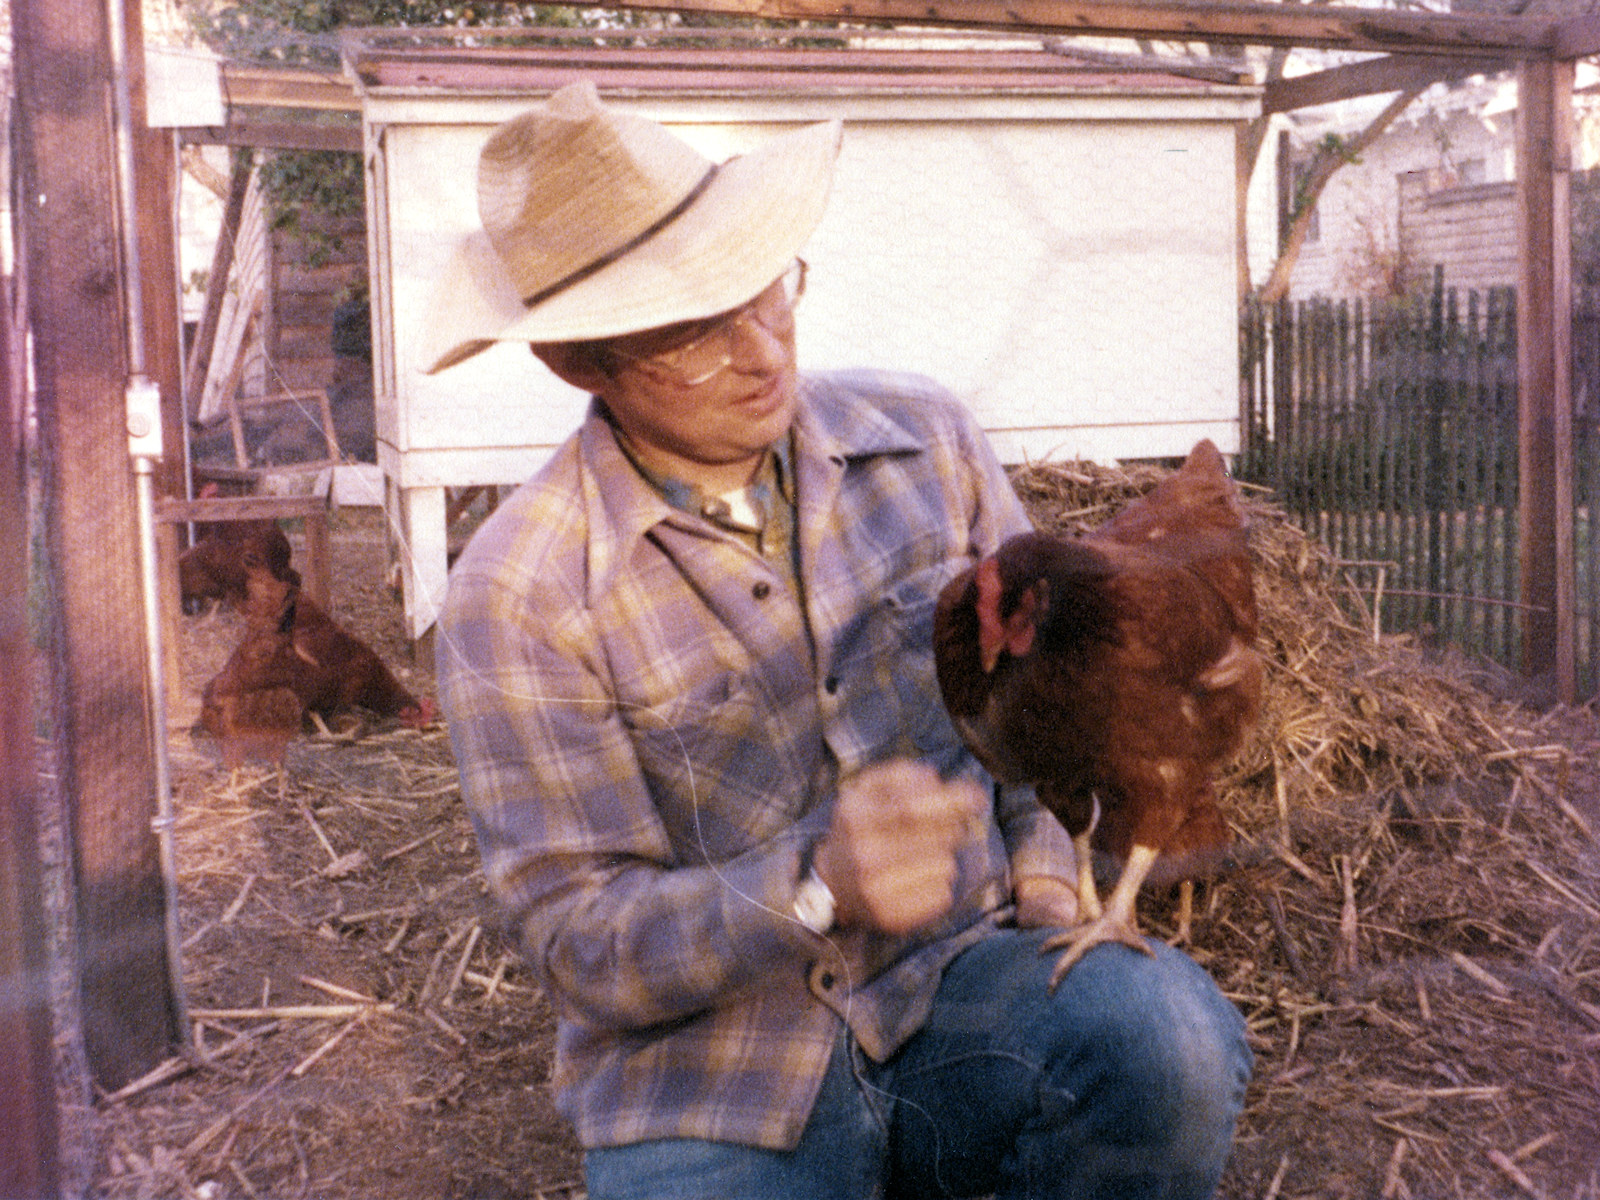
[
  {"x": 889, "y": 857},
  {"x": 1046, "y": 902}
]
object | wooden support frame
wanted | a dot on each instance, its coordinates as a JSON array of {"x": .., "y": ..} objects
[
  {"x": 1421, "y": 47},
  {"x": 1544, "y": 372},
  {"x": 64, "y": 151},
  {"x": 101, "y": 699}
]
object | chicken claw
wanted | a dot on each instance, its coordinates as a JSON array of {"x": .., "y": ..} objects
[
  {"x": 1106, "y": 928},
  {"x": 1117, "y": 923}
]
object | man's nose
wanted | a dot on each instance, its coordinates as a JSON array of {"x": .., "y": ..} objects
[{"x": 752, "y": 346}]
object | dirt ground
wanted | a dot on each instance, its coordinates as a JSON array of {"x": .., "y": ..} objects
[{"x": 1420, "y": 968}]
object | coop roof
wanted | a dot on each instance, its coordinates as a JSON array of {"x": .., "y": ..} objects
[{"x": 740, "y": 61}]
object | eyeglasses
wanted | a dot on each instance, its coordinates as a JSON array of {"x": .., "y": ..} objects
[{"x": 688, "y": 355}]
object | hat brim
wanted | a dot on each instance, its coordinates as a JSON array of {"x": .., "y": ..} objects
[{"x": 733, "y": 241}]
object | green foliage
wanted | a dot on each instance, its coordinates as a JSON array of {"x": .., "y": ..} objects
[
  {"x": 303, "y": 33},
  {"x": 326, "y": 182},
  {"x": 1338, "y": 147},
  {"x": 1309, "y": 178}
]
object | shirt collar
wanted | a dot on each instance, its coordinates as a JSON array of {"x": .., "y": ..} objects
[
  {"x": 830, "y": 425},
  {"x": 774, "y": 478},
  {"x": 624, "y": 505}
]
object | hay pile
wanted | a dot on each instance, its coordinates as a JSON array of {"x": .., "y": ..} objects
[{"x": 1416, "y": 937}]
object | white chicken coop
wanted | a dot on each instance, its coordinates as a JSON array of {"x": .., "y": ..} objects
[{"x": 1052, "y": 238}]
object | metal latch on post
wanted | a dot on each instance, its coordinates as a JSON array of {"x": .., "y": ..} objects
[{"x": 144, "y": 418}]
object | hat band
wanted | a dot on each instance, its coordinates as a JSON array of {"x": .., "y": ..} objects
[{"x": 605, "y": 260}]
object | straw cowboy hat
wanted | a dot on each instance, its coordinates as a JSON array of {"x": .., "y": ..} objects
[{"x": 598, "y": 223}]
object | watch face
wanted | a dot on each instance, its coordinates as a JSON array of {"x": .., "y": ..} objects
[{"x": 813, "y": 904}]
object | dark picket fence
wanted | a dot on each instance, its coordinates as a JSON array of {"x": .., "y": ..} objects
[{"x": 1388, "y": 430}]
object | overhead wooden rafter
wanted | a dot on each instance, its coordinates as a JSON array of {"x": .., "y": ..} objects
[
  {"x": 300, "y": 108},
  {"x": 1374, "y": 76},
  {"x": 282, "y": 108},
  {"x": 1330, "y": 27}
]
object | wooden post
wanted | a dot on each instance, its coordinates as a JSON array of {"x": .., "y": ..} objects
[
  {"x": 30, "y": 1141},
  {"x": 1544, "y": 371},
  {"x": 101, "y": 716}
]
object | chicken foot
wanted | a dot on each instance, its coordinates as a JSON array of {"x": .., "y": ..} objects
[
  {"x": 1118, "y": 922},
  {"x": 1185, "y": 913},
  {"x": 1088, "y": 897}
]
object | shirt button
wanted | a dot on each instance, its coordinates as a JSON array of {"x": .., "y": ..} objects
[
  {"x": 761, "y": 590},
  {"x": 831, "y": 684}
]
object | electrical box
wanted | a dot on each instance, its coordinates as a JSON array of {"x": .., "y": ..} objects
[{"x": 144, "y": 419}]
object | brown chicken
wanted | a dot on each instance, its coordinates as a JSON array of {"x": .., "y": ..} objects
[
  {"x": 213, "y": 568},
  {"x": 250, "y": 706},
  {"x": 294, "y": 660},
  {"x": 336, "y": 670},
  {"x": 1115, "y": 671}
]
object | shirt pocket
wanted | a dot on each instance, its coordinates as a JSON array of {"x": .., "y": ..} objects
[
  {"x": 713, "y": 763},
  {"x": 904, "y": 644}
]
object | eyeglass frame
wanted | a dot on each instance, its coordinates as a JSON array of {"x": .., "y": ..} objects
[{"x": 722, "y": 325}]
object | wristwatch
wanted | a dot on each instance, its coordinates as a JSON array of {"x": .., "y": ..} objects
[{"x": 813, "y": 903}]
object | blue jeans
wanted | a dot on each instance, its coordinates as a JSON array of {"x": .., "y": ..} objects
[{"x": 1125, "y": 1082}]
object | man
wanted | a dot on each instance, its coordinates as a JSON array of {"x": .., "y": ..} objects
[{"x": 789, "y": 926}]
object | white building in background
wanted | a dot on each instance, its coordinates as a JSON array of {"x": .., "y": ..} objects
[{"x": 1435, "y": 188}]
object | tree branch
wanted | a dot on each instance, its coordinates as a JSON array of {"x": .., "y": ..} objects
[{"x": 1330, "y": 156}]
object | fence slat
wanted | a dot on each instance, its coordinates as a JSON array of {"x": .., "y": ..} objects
[{"x": 1388, "y": 430}]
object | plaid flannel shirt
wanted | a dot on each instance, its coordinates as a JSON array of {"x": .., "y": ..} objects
[{"x": 651, "y": 727}]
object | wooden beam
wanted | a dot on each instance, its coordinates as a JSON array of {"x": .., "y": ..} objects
[
  {"x": 1375, "y": 76},
  {"x": 205, "y": 336},
  {"x": 241, "y": 508},
  {"x": 246, "y": 131},
  {"x": 278, "y": 87},
  {"x": 155, "y": 179},
  {"x": 1577, "y": 37},
  {"x": 30, "y": 1147},
  {"x": 1544, "y": 372},
  {"x": 1325, "y": 26},
  {"x": 101, "y": 717}
]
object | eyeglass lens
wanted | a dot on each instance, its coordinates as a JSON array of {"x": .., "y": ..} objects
[{"x": 704, "y": 354}]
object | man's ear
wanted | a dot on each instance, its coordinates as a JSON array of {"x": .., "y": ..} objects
[{"x": 577, "y": 363}]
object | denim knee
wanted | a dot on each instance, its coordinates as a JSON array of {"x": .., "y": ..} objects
[{"x": 1158, "y": 1073}]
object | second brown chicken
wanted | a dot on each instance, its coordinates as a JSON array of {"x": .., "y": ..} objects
[{"x": 295, "y": 659}]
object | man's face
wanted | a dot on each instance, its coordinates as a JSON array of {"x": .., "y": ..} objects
[{"x": 703, "y": 400}]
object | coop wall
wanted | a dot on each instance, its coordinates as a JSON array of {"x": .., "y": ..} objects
[{"x": 967, "y": 239}]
